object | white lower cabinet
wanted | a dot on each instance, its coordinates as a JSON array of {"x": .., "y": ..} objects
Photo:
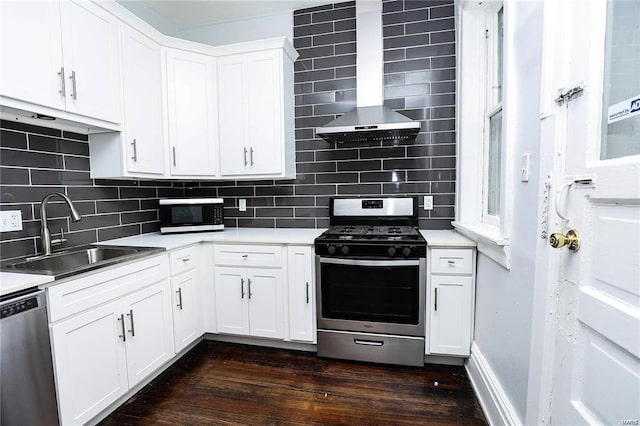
[
  {"x": 186, "y": 309},
  {"x": 103, "y": 349},
  {"x": 302, "y": 318},
  {"x": 249, "y": 302},
  {"x": 450, "y": 301}
]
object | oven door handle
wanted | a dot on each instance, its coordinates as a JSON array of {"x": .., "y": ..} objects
[
  {"x": 358, "y": 262},
  {"x": 368, "y": 342}
]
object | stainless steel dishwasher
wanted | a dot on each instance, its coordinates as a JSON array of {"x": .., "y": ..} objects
[{"x": 26, "y": 372}]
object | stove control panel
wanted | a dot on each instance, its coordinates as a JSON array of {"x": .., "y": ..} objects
[{"x": 406, "y": 251}]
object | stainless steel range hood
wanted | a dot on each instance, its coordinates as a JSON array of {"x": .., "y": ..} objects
[{"x": 370, "y": 120}]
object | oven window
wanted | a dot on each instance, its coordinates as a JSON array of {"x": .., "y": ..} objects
[
  {"x": 387, "y": 294},
  {"x": 185, "y": 215}
]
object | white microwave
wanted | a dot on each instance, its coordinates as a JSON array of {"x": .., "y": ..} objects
[{"x": 191, "y": 215}]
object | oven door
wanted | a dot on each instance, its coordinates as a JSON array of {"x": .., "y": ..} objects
[{"x": 374, "y": 296}]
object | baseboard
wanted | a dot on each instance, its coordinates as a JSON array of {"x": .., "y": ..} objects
[{"x": 495, "y": 404}]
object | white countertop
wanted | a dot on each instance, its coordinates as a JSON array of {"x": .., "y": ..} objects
[
  {"x": 448, "y": 238},
  {"x": 10, "y": 281}
]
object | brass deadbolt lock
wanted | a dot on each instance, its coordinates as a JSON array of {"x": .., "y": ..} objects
[{"x": 572, "y": 240}]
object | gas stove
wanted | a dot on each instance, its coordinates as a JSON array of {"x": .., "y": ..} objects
[{"x": 381, "y": 227}]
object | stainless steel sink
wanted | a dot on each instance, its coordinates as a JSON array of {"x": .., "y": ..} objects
[{"x": 79, "y": 259}]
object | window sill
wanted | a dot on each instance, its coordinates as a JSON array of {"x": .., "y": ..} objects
[{"x": 489, "y": 240}]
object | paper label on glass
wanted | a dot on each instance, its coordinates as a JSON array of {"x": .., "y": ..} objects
[{"x": 623, "y": 110}]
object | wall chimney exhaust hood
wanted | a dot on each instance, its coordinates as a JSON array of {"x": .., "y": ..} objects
[{"x": 370, "y": 120}]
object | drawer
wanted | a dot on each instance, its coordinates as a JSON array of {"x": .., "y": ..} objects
[
  {"x": 183, "y": 260},
  {"x": 248, "y": 255},
  {"x": 451, "y": 261},
  {"x": 79, "y": 294}
]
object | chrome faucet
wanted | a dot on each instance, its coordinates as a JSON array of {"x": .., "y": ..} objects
[{"x": 45, "y": 235}]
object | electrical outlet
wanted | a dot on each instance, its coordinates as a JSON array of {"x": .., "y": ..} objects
[
  {"x": 428, "y": 202},
  {"x": 242, "y": 204},
  {"x": 11, "y": 220}
]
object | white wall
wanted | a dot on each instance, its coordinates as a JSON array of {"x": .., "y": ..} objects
[
  {"x": 504, "y": 298},
  {"x": 150, "y": 16},
  {"x": 262, "y": 27}
]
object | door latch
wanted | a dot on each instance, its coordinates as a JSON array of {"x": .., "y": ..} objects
[{"x": 571, "y": 240}]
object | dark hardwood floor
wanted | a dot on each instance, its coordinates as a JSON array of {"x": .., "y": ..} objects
[{"x": 225, "y": 383}]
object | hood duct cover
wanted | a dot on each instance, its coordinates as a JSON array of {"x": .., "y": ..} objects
[{"x": 370, "y": 120}]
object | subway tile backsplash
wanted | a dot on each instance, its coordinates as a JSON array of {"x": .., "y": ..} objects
[{"x": 419, "y": 81}]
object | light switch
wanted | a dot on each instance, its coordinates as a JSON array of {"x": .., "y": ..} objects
[
  {"x": 242, "y": 204},
  {"x": 524, "y": 168}
]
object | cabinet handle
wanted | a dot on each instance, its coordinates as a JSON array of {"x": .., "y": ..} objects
[
  {"x": 245, "y": 156},
  {"x": 435, "y": 303},
  {"x": 130, "y": 315},
  {"x": 62, "y": 90},
  {"x": 451, "y": 262},
  {"x": 245, "y": 256},
  {"x": 173, "y": 151},
  {"x": 123, "y": 335},
  {"x": 74, "y": 91},
  {"x": 307, "y": 293},
  {"x": 251, "y": 155},
  {"x": 135, "y": 151},
  {"x": 186, "y": 259},
  {"x": 249, "y": 285},
  {"x": 179, "y": 293},
  {"x": 241, "y": 288}
]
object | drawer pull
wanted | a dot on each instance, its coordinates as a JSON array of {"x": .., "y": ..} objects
[
  {"x": 186, "y": 259},
  {"x": 307, "y": 293},
  {"x": 245, "y": 256},
  {"x": 130, "y": 315},
  {"x": 241, "y": 288},
  {"x": 249, "y": 285},
  {"x": 368, "y": 342},
  {"x": 451, "y": 262},
  {"x": 124, "y": 334},
  {"x": 435, "y": 303}
]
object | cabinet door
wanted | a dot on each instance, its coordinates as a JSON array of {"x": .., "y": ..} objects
[
  {"x": 265, "y": 137},
  {"x": 148, "y": 328},
  {"x": 92, "y": 60},
  {"x": 233, "y": 109},
  {"x": 31, "y": 52},
  {"x": 90, "y": 362},
  {"x": 302, "y": 318},
  {"x": 450, "y": 330},
  {"x": 142, "y": 100},
  {"x": 232, "y": 315},
  {"x": 264, "y": 288},
  {"x": 191, "y": 93},
  {"x": 186, "y": 312}
]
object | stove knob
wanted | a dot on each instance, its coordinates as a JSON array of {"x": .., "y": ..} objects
[
  {"x": 345, "y": 250},
  {"x": 331, "y": 249},
  {"x": 406, "y": 251},
  {"x": 391, "y": 251}
]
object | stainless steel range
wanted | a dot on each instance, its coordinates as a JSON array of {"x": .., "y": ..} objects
[{"x": 370, "y": 275}]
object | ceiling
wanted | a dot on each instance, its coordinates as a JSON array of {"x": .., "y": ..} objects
[{"x": 192, "y": 13}]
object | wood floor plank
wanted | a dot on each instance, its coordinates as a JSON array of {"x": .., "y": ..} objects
[{"x": 220, "y": 383}]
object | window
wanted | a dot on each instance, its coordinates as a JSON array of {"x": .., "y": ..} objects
[{"x": 483, "y": 204}]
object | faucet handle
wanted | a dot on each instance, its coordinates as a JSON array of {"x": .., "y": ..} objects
[{"x": 59, "y": 241}]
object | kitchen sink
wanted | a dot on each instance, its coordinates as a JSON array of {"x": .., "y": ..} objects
[{"x": 79, "y": 259}]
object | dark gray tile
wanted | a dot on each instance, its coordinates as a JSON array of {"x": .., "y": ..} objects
[
  {"x": 392, "y": 6},
  {"x": 334, "y": 15},
  {"x": 95, "y": 221},
  {"x": 431, "y": 175},
  {"x": 393, "y": 30},
  {"x": 313, "y": 9},
  {"x": 389, "y": 176},
  {"x": 57, "y": 208},
  {"x": 402, "y": 17},
  {"x": 315, "y": 98},
  {"x": 359, "y": 189},
  {"x": 294, "y": 201},
  {"x": 429, "y": 100},
  {"x": 316, "y": 167},
  {"x": 442, "y": 125},
  {"x": 118, "y": 232},
  {"x": 173, "y": 192},
  {"x": 417, "y": 4},
  {"x": 415, "y": 114},
  {"x": 430, "y": 26},
  {"x": 236, "y": 191},
  {"x": 406, "y": 188},
  {"x": 394, "y": 80},
  {"x": 301, "y": 19},
  {"x": 428, "y": 76},
  {"x": 17, "y": 248},
  {"x": 333, "y": 108},
  {"x": 127, "y": 192},
  {"x": 304, "y": 111},
  {"x": 12, "y": 157},
  {"x": 406, "y": 41},
  {"x": 345, "y": 24},
  {"x": 316, "y": 52},
  {"x": 444, "y": 199},
  {"x": 344, "y": 48},
  {"x": 77, "y": 163},
  {"x": 441, "y": 12},
  {"x": 406, "y": 90},
  {"x": 346, "y": 95},
  {"x": 92, "y": 193},
  {"x": 300, "y": 42},
  {"x": 80, "y": 238},
  {"x": 336, "y": 154},
  {"x": 335, "y": 38},
  {"x": 150, "y": 227},
  {"x": 315, "y": 190},
  {"x": 314, "y": 121},
  {"x": 29, "y": 128},
  {"x": 13, "y": 176},
  {"x": 432, "y": 50},
  {"x": 115, "y": 206},
  {"x": 388, "y": 152},
  {"x": 234, "y": 212},
  {"x": 295, "y": 223},
  {"x": 10, "y": 139},
  {"x": 256, "y": 223},
  {"x": 52, "y": 177},
  {"x": 442, "y": 212},
  {"x": 443, "y": 162},
  {"x": 443, "y": 187},
  {"x": 442, "y": 112},
  {"x": 443, "y": 87},
  {"x": 302, "y": 88},
  {"x": 314, "y": 75},
  {"x": 23, "y": 194},
  {"x": 311, "y": 212},
  {"x": 394, "y": 55},
  {"x": 444, "y": 137},
  {"x": 274, "y": 212},
  {"x": 344, "y": 166},
  {"x": 312, "y": 29},
  {"x": 405, "y": 66},
  {"x": 137, "y": 217},
  {"x": 443, "y": 37},
  {"x": 337, "y": 178},
  {"x": 304, "y": 156},
  {"x": 274, "y": 190},
  {"x": 406, "y": 163},
  {"x": 345, "y": 72},
  {"x": 395, "y": 103},
  {"x": 341, "y": 84},
  {"x": 431, "y": 150},
  {"x": 443, "y": 62}
]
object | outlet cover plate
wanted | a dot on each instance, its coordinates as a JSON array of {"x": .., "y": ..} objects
[
  {"x": 10, "y": 220},
  {"x": 428, "y": 202}
]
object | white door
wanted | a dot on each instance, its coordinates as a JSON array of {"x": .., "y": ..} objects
[
  {"x": 233, "y": 109},
  {"x": 92, "y": 60},
  {"x": 186, "y": 312},
  {"x": 266, "y": 132},
  {"x": 147, "y": 325},
  {"x": 142, "y": 100},
  {"x": 31, "y": 52},
  {"x": 232, "y": 315},
  {"x": 450, "y": 320},
  {"x": 302, "y": 318},
  {"x": 90, "y": 362},
  {"x": 593, "y": 376},
  {"x": 266, "y": 314}
]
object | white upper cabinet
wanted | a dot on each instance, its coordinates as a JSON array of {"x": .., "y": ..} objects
[
  {"x": 62, "y": 55},
  {"x": 139, "y": 149},
  {"x": 191, "y": 94},
  {"x": 255, "y": 103}
]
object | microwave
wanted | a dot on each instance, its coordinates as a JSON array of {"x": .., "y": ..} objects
[{"x": 191, "y": 215}]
